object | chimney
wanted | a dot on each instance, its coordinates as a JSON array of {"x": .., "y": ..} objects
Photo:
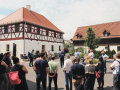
[{"x": 28, "y": 7}]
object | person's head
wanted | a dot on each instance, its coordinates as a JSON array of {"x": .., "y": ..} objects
[
  {"x": 42, "y": 55},
  {"x": 102, "y": 52},
  {"x": 75, "y": 60},
  {"x": 15, "y": 60},
  {"x": 90, "y": 61},
  {"x": 101, "y": 59},
  {"x": 33, "y": 51},
  {"x": 68, "y": 56},
  {"x": 53, "y": 57},
  {"x": 76, "y": 50},
  {"x": 117, "y": 55},
  {"x": 1, "y": 57},
  {"x": 91, "y": 51},
  {"x": 8, "y": 54}
]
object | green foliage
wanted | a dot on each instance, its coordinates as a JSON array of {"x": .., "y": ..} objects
[
  {"x": 97, "y": 54},
  {"x": 90, "y": 40},
  {"x": 81, "y": 49},
  {"x": 95, "y": 61},
  {"x": 71, "y": 53}
]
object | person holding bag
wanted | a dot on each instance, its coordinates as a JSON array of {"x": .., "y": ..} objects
[{"x": 21, "y": 73}]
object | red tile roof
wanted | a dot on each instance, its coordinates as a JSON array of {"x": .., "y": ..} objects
[
  {"x": 24, "y": 14},
  {"x": 113, "y": 28}
]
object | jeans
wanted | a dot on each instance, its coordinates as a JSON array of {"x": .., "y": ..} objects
[
  {"x": 116, "y": 83},
  {"x": 55, "y": 81},
  {"x": 101, "y": 80},
  {"x": 68, "y": 80},
  {"x": 89, "y": 82},
  {"x": 31, "y": 62},
  {"x": 39, "y": 80},
  {"x": 62, "y": 62}
]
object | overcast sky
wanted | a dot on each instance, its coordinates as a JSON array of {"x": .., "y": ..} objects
[{"x": 67, "y": 15}]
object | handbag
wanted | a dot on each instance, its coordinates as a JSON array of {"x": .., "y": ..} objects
[
  {"x": 14, "y": 78},
  {"x": 97, "y": 75}
]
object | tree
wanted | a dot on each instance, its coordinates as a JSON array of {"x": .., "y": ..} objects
[{"x": 91, "y": 40}]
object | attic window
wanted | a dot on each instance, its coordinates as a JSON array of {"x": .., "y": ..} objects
[
  {"x": 106, "y": 34},
  {"x": 79, "y": 36}
]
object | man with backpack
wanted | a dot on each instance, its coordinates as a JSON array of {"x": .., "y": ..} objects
[
  {"x": 31, "y": 57},
  {"x": 115, "y": 66}
]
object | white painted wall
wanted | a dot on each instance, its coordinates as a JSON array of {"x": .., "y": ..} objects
[
  {"x": 37, "y": 45},
  {"x": 19, "y": 46}
]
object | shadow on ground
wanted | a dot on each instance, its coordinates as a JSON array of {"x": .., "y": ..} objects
[
  {"x": 32, "y": 86},
  {"x": 107, "y": 88}
]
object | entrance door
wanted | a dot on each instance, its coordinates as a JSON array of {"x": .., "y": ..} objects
[
  {"x": 14, "y": 49},
  {"x": 43, "y": 48}
]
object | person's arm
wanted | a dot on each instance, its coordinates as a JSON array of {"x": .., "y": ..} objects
[
  {"x": 25, "y": 69},
  {"x": 4, "y": 64},
  {"x": 34, "y": 68},
  {"x": 112, "y": 66},
  {"x": 47, "y": 70}
]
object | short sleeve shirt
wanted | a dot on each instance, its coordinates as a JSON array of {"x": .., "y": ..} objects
[
  {"x": 91, "y": 55},
  {"x": 77, "y": 54},
  {"x": 41, "y": 66},
  {"x": 104, "y": 57},
  {"x": 115, "y": 66},
  {"x": 52, "y": 66}
]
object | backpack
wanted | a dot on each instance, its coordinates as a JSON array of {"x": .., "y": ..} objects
[
  {"x": 119, "y": 67},
  {"x": 14, "y": 78}
]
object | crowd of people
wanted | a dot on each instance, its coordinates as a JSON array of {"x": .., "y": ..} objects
[{"x": 79, "y": 75}]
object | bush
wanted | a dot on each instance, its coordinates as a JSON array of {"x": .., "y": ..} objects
[
  {"x": 95, "y": 61},
  {"x": 97, "y": 54},
  {"x": 71, "y": 53}
]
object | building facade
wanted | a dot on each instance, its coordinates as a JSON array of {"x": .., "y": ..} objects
[
  {"x": 24, "y": 30},
  {"x": 109, "y": 34}
]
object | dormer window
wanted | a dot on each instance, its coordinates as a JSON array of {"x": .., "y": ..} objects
[
  {"x": 106, "y": 34},
  {"x": 79, "y": 36}
]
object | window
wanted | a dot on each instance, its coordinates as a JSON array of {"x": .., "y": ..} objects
[
  {"x": 6, "y": 29},
  {"x": 59, "y": 48},
  {"x": 105, "y": 34},
  {"x": 52, "y": 48},
  {"x": 38, "y": 31},
  {"x": 7, "y": 47},
  {"x": 118, "y": 48},
  {"x": 43, "y": 48},
  {"x": 29, "y": 29},
  {"x": 106, "y": 47},
  {"x": 16, "y": 28},
  {"x": 55, "y": 34}
]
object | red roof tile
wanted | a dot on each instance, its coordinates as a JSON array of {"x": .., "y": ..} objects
[
  {"x": 24, "y": 14},
  {"x": 113, "y": 28}
]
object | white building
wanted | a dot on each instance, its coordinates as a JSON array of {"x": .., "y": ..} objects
[
  {"x": 24, "y": 30},
  {"x": 109, "y": 34}
]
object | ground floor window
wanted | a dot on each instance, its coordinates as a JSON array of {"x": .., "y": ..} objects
[
  {"x": 118, "y": 48},
  {"x": 7, "y": 47},
  {"x": 52, "y": 48}
]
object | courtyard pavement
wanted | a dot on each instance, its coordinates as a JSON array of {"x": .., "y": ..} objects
[{"x": 31, "y": 77}]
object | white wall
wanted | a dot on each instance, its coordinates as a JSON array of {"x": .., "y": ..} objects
[
  {"x": 37, "y": 45},
  {"x": 19, "y": 46}
]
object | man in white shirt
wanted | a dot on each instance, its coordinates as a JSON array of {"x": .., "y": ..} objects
[
  {"x": 116, "y": 72},
  {"x": 105, "y": 57},
  {"x": 67, "y": 69},
  {"x": 77, "y": 55}
]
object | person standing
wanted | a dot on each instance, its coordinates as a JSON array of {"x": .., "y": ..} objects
[
  {"x": 100, "y": 69},
  {"x": 22, "y": 72},
  {"x": 67, "y": 70},
  {"x": 90, "y": 55},
  {"x": 41, "y": 69},
  {"x": 62, "y": 54},
  {"x": 3, "y": 74},
  {"x": 78, "y": 74},
  {"x": 89, "y": 76},
  {"x": 31, "y": 57},
  {"x": 53, "y": 67},
  {"x": 105, "y": 57},
  {"x": 115, "y": 66},
  {"x": 77, "y": 55},
  {"x": 8, "y": 61}
]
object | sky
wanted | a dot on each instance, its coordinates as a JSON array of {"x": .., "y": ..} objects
[{"x": 68, "y": 15}]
